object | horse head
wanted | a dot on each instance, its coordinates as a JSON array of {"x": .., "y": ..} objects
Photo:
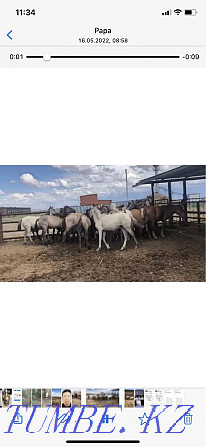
[
  {"x": 50, "y": 211},
  {"x": 180, "y": 210}
]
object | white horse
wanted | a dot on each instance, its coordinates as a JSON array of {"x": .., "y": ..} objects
[
  {"x": 28, "y": 224},
  {"x": 112, "y": 222}
]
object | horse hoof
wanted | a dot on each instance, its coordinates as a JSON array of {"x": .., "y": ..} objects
[
  {"x": 98, "y": 249},
  {"x": 108, "y": 247}
]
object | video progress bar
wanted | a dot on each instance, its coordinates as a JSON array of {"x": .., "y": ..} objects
[
  {"x": 106, "y": 57},
  {"x": 104, "y": 442}
]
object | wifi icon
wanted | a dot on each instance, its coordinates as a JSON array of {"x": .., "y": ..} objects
[{"x": 178, "y": 11}]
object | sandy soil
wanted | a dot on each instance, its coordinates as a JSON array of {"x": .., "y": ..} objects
[{"x": 177, "y": 257}]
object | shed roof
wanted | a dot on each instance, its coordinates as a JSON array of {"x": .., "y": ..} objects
[{"x": 184, "y": 172}]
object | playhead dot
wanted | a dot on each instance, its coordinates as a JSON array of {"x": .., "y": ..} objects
[{"x": 46, "y": 57}]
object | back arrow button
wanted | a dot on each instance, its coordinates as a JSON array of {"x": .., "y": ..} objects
[{"x": 8, "y": 35}]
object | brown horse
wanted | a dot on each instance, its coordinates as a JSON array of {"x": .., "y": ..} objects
[
  {"x": 140, "y": 219},
  {"x": 157, "y": 213}
]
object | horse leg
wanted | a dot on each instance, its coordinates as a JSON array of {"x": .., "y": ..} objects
[
  {"x": 153, "y": 234},
  {"x": 131, "y": 232},
  {"x": 25, "y": 235},
  {"x": 87, "y": 237},
  {"x": 152, "y": 229},
  {"x": 80, "y": 238},
  {"x": 104, "y": 240},
  {"x": 125, "y": 239},
  {"x": 163, "y": 228},
  {"x": 147, "y": 230},
  {"x": 100, "y": 240},
  {"x": 48, "y": 237},
  {"x": 44, "y": 239},
  {"x": 29, "y": 236},
  {"x": 64, "y": 235}
]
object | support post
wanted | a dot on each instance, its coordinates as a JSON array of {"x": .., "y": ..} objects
[
  {"x": 170, "y": 200},
  {"x": 185, "y": 196},
  {"x": 1, "y": 230},
  {"x": 198, "y": 216},
  {"x": 169, "y": 192},
  {"x": 153, "y": 197}
]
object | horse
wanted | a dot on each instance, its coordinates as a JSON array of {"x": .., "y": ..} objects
[
  {"x": 28, "y": 224},
  {"x": 77, "y": 222},
  {"x": 46, "y": 222},
  {"x": 55, "y": 219},
  {"x": 112, "y": 222},
  {"x": 61, "y": 212},
  {"x": 140, "y": 219},
  {"x": 157, "y": 213}
]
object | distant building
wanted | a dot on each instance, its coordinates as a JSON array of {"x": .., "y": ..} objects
[
  {"x": 13, "y": 210},
  {"x": 92, "y": 199}
]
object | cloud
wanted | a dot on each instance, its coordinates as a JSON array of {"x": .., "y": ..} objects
[
  {"x": 63, "y": 183},
  {"x": 29, "y": 179},
  {"x": 12, "y": 181},
  {"x": 20, "y": 196},
  {"x": 1, "y": 192}
]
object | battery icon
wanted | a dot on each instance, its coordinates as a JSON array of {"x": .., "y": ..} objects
[{"x": 190, "y": 12}]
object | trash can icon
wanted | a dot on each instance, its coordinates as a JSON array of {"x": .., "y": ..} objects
[{"x": 188, "y": 419}]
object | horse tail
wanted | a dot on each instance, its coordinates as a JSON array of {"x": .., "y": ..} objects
[
  {"x": 19, "y": 225},
  {"x": 36, "y": 226},
  {"x": 63, "y": 224},
  {"x": 136, "y": 223}
]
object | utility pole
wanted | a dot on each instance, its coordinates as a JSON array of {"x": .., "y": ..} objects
[
  {"x": 156, "y": 170},
  {"x": 127, "y": 195}
]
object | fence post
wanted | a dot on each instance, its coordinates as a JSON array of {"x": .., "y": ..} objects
[
  {"x": 1, "y": 230},
  {"x": 198, "y": 212}
]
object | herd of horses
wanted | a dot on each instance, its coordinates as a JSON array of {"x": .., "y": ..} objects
[{"x": 101, "y": 219}]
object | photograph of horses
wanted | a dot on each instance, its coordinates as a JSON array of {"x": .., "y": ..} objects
[
  {"x": 101, "y": 397},
  {"x": 102, "y": 223}
]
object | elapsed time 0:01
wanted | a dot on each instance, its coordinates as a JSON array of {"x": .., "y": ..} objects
[{"x": 16, "y": 56}]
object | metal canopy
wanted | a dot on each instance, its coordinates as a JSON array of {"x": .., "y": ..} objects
[{"x": 184, "y": 172}]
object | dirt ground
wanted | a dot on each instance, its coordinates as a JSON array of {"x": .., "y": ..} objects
[{"x": 177, "y": 257}]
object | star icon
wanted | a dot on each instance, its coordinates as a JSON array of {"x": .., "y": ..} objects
[{"x": 142, "y": 419}]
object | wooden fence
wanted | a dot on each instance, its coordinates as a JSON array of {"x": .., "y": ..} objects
[{"x": 196, "y": 211}]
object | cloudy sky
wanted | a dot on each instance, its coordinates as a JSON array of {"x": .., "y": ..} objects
[{"x": 41, "y": 186}]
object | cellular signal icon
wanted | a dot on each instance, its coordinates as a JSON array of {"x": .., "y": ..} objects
[
  {"x": 167, "y": 13},
  {"x": 178, "y": 11}
]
